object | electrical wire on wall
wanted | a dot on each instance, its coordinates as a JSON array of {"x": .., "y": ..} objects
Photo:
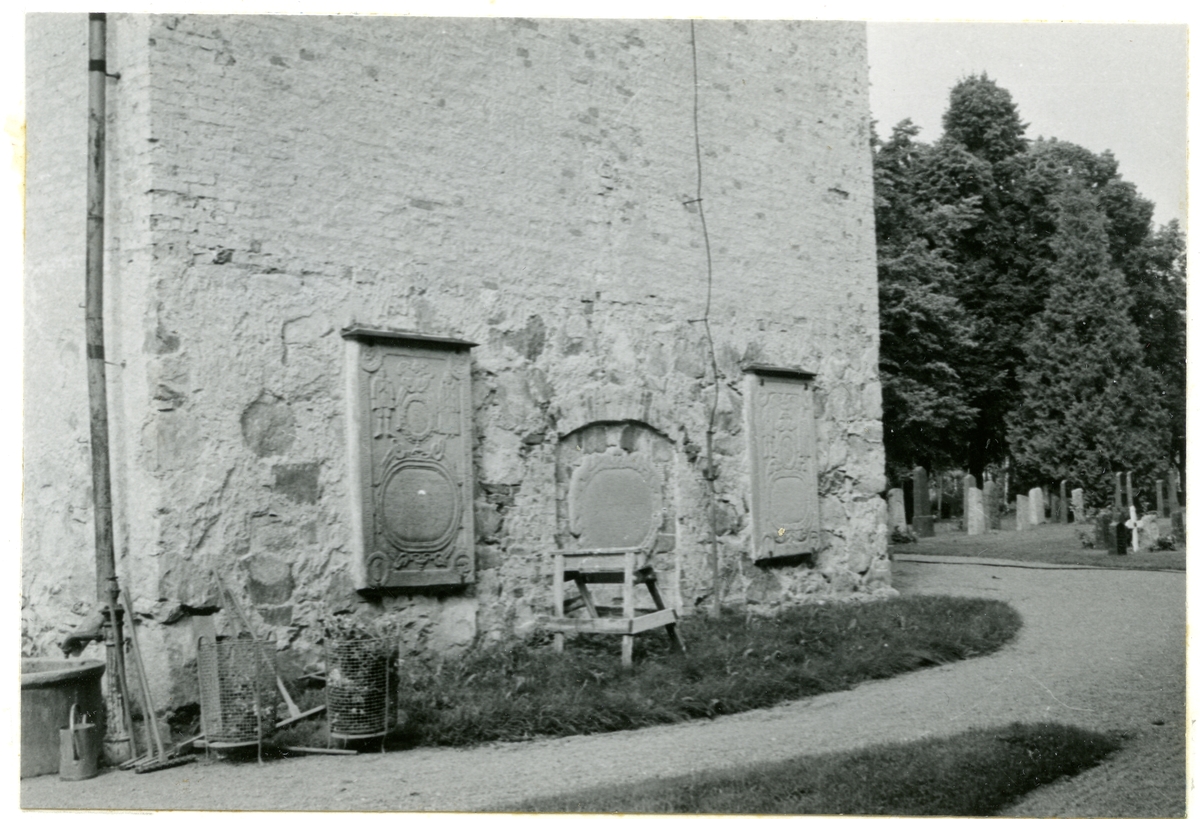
[{"x": 710, "y": 472}]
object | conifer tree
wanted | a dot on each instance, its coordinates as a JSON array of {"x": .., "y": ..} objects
[{"x": 1089, "y": 405}]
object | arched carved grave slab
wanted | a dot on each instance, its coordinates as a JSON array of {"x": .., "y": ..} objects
[
  {"x": 783, "y": 462},
  {"x": 615, "y": 502},
  {"x": 410, "y": 455}
]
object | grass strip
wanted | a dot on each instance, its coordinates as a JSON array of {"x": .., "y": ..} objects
[
  {"x": 975, "y": 773},
  {"x": 1051, "y": 543},
  {"x": 521, "y": 690}
]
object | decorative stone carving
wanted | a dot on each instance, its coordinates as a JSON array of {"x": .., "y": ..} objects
[
  {"x": 783, "y": 468},
  {"x": 410, "y": 448},
  {"x": 615, "y": 502}
]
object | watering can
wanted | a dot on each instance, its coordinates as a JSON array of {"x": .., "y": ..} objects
[{"x": 79, "y": 750}]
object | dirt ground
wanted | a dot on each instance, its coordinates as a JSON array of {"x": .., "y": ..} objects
[{"x": 1102, "y": 649}]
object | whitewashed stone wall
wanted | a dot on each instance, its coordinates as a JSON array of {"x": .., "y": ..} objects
[{"x": 515, "y": 183}]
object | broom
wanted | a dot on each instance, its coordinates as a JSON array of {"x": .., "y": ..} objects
[{"x": 164, "y": 760}]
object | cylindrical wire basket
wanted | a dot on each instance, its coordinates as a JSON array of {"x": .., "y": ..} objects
[
  {"x": 359, "y": 686},
  {"x": 238, "y": 696}
]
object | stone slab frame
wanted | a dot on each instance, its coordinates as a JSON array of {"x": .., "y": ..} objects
[
  {"x": 409, "y": 449},
  {"x": 784, "y": 508},
  {"x": 616, "y": 488}
]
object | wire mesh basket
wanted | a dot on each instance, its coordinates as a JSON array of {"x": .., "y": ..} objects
[
  {"x": 359, "y": 686},
  {"x": 238, "y": 697}
]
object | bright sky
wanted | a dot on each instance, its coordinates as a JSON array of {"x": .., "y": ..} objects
[{"x": 1117, "y": 87}]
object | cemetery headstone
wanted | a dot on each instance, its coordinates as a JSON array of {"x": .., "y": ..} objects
[
  {"x": 1062, "y": 502},
  {"x": 968, "y": 483},
  {"x": 991, "y": 505},
  {"x": 1037, "y": 512},
  {"x": 974, "y": 511},
  {"x": 1077, "y": 505},
  {"x": 1055, "y": 509},
  {"x": 1150, "y": 531},
  {"x": 1117, "y": 492},
  {"x": 1133, "y": 515},
  {"x": 1177, "y": 516},
  {"x": 1104, "y": 534},
  {"x": 922, "y": 520},
  {"x": 896, "y": 510},
  {"x": 1123, "y": 534},
  {"x": 1024, "y": 518}
]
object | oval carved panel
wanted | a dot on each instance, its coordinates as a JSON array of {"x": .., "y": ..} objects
[
  {"x": 615, "y": 502},
  {"x": 420, "y": 504}
]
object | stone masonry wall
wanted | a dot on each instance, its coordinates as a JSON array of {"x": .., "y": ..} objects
[{"x": 516, "y": 183}]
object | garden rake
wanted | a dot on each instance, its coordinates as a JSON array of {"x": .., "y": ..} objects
[{"x": 164, "y": 759}]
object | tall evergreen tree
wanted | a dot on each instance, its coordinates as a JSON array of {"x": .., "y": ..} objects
[
  {"x": 924, "y": 332},
  {"x": 983, "y": 118},
  {"x": 1156, "y": 274},
  {"x": 1089, "y": 405},
  {"x": 967, "y": 232}
]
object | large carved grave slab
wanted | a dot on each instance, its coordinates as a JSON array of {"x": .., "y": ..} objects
[
  {"x": 615, "y": 502},
  {"x": 410, "y": 455},
  {"x": 615, "y": 490},
  {"x": 783, "y": 462}
]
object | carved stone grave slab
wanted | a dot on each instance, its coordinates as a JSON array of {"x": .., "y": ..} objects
[
  {"x": 409, "y": 438},
  {"x": 783, "y": 462},
  {"x": 615, "y": 502}
]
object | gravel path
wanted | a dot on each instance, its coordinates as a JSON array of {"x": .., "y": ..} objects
[{"x": 1102, "y": 649}]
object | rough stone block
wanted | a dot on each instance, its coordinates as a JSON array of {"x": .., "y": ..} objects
[
  {"x": 298, "y": 482},
  {"x": 271, "y": 580},
  {"x": 268, "y": 426}
]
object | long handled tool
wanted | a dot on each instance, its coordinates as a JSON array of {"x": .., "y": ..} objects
[
  {"x": 164, "y": 760},
  {"x": 293, "y": 709},
  {"x": 122, "y": 681}
]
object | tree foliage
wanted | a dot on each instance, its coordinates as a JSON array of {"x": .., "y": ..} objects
[
  {"x": 973, "y": 239},
  {"x": 1089, "y": 404}
]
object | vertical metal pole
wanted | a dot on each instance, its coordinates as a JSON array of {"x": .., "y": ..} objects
[
  {"x": 97, "y": 390},
  {"x": 106, "y": 572},
  {"x": 715, "y": 554}
]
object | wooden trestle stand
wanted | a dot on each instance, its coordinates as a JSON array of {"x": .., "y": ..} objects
[{"x": 616, "y": 567}]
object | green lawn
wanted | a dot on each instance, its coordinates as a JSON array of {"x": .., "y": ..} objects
[
  {"x": 736, "y": 662},
  {"x": 1048, "y": 543},
  {"x": 975, "y": 773}
]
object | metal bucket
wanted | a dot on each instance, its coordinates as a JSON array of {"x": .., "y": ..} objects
[
  {"x": 48, "y": 690},
  {"x": 79, "y": 750}
]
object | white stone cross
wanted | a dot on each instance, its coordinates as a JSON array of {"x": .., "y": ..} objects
[{"x": 1134, "y": 524}]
